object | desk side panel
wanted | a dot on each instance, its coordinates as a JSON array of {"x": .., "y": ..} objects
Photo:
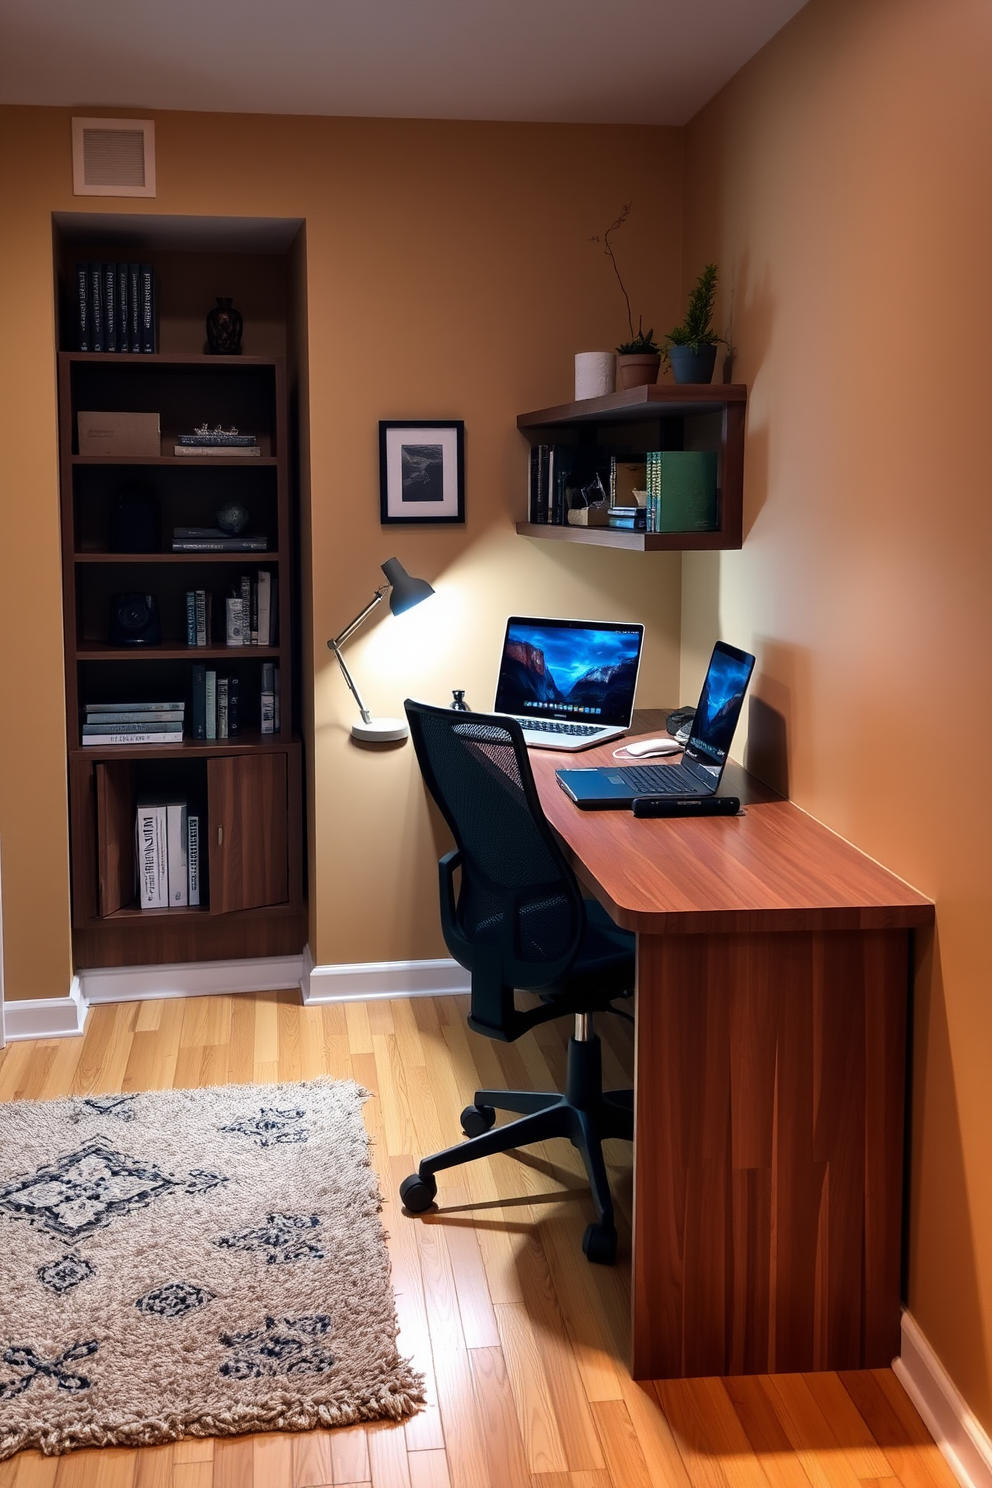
[{"x": 768, "y": 1152}]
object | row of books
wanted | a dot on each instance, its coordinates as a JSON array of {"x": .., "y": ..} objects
[
  {"x": 166, "y": 854},
  {"x": 661, "y": 491},
  {"x": 115, "y": 307},
  {"x": 213, "y": 540},
  {"x": 249, "y": 612},
  {"x": 133, "y": 723},
  {"x": 217, "y": 703}
]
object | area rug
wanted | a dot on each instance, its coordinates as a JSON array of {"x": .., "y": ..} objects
[{"x": 192, "y": 1262}]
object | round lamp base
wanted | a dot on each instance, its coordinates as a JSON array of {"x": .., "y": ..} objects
[{"x": 380, "y": 730}]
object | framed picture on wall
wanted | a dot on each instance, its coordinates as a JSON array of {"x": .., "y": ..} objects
[{"x": 422, "y": 471}]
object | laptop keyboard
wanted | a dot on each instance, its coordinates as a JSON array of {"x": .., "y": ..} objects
[
  {"x": 551, "y": 726},
  {"x": 663, "y": 780}
]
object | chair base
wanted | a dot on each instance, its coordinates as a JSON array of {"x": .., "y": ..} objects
[{"x": 585, "y": 1114}]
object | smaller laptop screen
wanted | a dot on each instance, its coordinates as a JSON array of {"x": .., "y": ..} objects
[
  {"x": 719, "y": 707},
  {"x": 578, "y": 671}
]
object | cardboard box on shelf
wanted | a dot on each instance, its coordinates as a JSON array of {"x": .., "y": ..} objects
[{"x": 119, "y": 434}]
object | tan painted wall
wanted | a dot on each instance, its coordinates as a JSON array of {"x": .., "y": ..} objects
[
  {"x": 842, "y": 182},
  {"x": 449, "y": 274}
]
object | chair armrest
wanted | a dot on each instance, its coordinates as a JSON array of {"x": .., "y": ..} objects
[{"x": 446, "y": 883}]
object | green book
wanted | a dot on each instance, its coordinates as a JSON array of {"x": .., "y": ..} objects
[{"x": 688, "y": 491}]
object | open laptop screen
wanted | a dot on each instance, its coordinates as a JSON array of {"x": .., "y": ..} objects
[
  {"x": 574, "y": 670},
  {"x": 719, "y": 708}
]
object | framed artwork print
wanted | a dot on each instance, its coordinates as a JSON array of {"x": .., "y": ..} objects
[{"x": 422, "y": 471}]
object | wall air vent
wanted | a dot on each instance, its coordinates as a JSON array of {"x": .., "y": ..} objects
[{"x": 113, "y": 157}]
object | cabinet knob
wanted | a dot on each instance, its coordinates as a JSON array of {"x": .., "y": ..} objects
[{"x": 220, "y": 836}]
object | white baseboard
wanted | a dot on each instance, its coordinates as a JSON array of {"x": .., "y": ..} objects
[
  {"x": 46, "y": 1017},
  {"x": 191, "y": 979},
  {"x": 367, "y": 981},
  {"x": 962, "y": 1439}
]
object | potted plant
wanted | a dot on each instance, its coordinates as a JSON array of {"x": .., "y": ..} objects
[
  {"x": 690, "y": 349},
  {"x": 639, "y": 359}
]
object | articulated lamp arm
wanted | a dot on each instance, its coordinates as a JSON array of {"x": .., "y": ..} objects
[{"x": 338, "y": 641}]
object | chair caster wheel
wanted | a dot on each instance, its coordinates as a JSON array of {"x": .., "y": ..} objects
[
  {"x": 478, "y": 1119},
  {"x": 418, "y": 1193},
  {"x": 600, "y": 1244}
]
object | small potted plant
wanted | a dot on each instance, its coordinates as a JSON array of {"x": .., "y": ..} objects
[
  {"x": 639, "y": 359},
  {"x": 690, "y": 349}
]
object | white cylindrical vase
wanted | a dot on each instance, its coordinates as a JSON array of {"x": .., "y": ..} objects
[{"x": 595, "y": 374}]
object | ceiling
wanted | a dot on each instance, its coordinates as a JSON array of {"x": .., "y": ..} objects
[{"x": 570, "y": 61}]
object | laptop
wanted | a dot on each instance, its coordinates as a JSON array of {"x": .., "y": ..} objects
[
  {"x": 705, "y": 754},
  {"x": 569, "y": 683}
]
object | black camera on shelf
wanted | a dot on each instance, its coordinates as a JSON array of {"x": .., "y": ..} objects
[{"x": 135, "y": 620}]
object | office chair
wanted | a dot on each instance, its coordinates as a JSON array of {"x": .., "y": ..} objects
[{"x": 517, "y": 919}]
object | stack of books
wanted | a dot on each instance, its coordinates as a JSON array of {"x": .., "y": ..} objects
[
  {"x": 167, "y": 854},
  {"x": 133, "y": 723},
  {"x": 628, "y": 518},
  {"x": 115, "y": 307},
  {"x": 219, "y": 443}
]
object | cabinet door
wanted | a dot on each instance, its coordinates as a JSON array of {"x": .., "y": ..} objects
[
  {"x": 115, "y": 798},
  {"x": 248, "y": 826}
]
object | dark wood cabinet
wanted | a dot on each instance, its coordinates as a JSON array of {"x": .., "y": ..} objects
[
  {"x": 661, "y": 416},
  {"x": 246, "y": 789}
]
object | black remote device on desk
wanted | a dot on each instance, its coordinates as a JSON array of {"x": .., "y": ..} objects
[{"x": 685, "y": 805}]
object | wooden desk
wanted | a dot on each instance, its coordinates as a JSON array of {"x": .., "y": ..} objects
[{"x": 772, "y": 989}]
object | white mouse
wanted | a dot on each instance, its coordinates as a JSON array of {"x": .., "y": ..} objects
[{"x": 646, "y": 747}]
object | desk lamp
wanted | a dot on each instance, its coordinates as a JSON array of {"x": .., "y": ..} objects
[{"x": 406, "y": 592}]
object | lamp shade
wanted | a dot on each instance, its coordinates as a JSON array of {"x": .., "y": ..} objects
[{"x": 406, "y": 591}]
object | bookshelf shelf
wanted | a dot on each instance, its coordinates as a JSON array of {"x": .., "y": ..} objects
[
  {"x": 246, "y": 789},
  {"x": 665, "y": 416}
]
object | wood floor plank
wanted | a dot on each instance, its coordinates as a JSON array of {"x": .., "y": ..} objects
[
  {"x": 841, "y": 1416},
  {"x": 350, "y": 1455},
  {"x": 192, "y": 1475},
  {"x": 194, "y": 1449},
  {"x": 234, "y": 1463},
  {"x": 272, "y": 1459},
  {"x": 894, "y": 1423},
  {"x": 469, "y": 1273},
  {"x": 99, "y": 1467},
  {"x": 710, "y": 1437},
  {"x": 397, "y": 1100},
  {"x": 622, "y": 1451},
  {"x": 241, "y": 1053},
  {"x": 359, "y": 1030},
  {"x": 500, "y": 1424},
  {"x": 312, "y": 1463},
  {"x": 388, "y": 1456},
  {"x": 539, "y": 1425},
  {"x": 765, "y": 1432},
  {"x": 155, "y": 1464},
  {"x": 288, "y": 1027},
  {"x": 429, "y": 1470},
  {"x": 30, "y": 1470},
  {"x": 15, "y": 1071}
]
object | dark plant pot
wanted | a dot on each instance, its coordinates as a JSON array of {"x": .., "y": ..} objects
[
  {"x": 693, "y": 366},
  {"x": 224, "y": 328}
]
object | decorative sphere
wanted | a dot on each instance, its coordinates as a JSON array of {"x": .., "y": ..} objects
[{"x": 232, "y": 518}]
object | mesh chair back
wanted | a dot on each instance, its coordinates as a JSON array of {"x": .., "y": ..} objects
[{"x": 519, "y": 913}]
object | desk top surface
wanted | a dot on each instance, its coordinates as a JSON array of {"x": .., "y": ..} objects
[{"x": 772, "y": 868}]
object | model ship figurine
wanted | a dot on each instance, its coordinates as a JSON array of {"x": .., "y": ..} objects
[{"x": 204, "y": 435}]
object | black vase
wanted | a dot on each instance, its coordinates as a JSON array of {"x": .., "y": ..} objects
[
  {"x": 693, "y": 366},
  {"x": 224, "y": 328}
]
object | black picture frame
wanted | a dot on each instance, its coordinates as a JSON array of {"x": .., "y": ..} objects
[{"x": 421, "y": 472}]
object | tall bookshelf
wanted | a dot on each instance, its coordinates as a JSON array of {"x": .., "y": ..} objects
[{"x": 246, "y": 789}]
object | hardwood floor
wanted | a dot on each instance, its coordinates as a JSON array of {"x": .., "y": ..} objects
[{"x": 521, "y": 1340}]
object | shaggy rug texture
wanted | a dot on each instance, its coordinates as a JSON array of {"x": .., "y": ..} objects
[{"x": 192, "y": 1263}]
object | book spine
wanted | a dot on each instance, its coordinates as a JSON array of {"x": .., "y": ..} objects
[
  {"x": 147, "y": 290},
  {"x": 220, "y": 545},
  {"x": 123, "y": 339},
  {"x": 151, "y": 715},
  {"x": 83, "y": 306},
  {"x": 96, "y": 307},
  {"x": 168, "y": 707},
  {"x": 91, "y": 728},
  {"x": 538, "y": 484},
  {"x": 199, "y": 701},
  {"x": 191, "y": 635},
  {"x": 133, "y": 307},
  {"x": 253, "y": 631},
  {"x": 200, "y": 630},
  {"x": 234, "y": 618},
  {"x": 110, "y": 342},
  {"x": 267, "y": 701},
  {"x": 245, "y": 610},
  {"x": 264, "y": 595},
  {"x": 222, "y": 707},
  {"x": 193, "y": 856},
  {"x": 152, "y": 737},
  {"x": 218, "y": 451},
  {"x": 232, "y": 707},
  {"x": 176, "y": 838},
  {"x": 150, "y": 849},
  {"x": 211, "y": 704},
  {"x": 276, "y": 702}
]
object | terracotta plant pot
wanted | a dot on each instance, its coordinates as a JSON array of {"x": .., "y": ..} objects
[{"x": 637, "y": 369}]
